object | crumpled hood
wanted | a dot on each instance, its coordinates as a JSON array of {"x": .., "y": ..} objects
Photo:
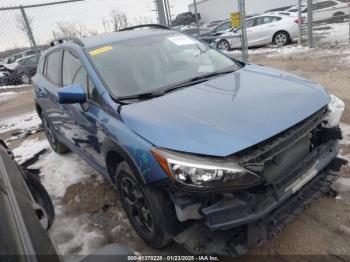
[{"x": 226, "y": 114}]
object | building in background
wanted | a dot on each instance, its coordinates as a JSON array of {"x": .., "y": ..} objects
[{"x": 211, "y": 10}]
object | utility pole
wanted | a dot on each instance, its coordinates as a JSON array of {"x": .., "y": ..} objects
[
  {"x": 244, "y": 42},
  {"x": 309, "y": 24},
  {"x": 161, "y": 12},
  {"x": 300, "y": 23},
  {"x": 29, "y": 31},
  {"x": 196, "y": 17}
]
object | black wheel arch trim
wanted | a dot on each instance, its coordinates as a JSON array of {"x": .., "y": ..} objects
[{"x": 109, "y": 146}]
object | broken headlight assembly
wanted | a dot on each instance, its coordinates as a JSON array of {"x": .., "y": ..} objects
[
  {"x": 335, "y": 110},
  {"x": 203, "y": 172}
]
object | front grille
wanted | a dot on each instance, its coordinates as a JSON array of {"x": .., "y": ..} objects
[
  {"x": 266, "y": 150},
  {"x": 285, "y": 155}
]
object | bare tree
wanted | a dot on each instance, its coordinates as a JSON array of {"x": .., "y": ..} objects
[
  {"x": 106, "y": 25},
  {"x": 21, "y": 24},
  {"x": 72, "y": 29},
  {"x": 141, "y": 20},
  {"x": 119, "y": 20}
]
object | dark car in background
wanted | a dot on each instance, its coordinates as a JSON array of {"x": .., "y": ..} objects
[
  {"x": 185, "y": 18},
  {"x": 13, "y": 58},
  {"x": 20, "y": 72},
  {"x": 218, "y": 30}
]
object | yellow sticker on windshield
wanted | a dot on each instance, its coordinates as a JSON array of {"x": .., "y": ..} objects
[{"x": 101, "y": 50}]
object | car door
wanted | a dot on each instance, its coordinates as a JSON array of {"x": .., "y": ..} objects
[
  {"x": 47, "y": 92},
  {"x": 261, "y": 31},
  {"x": 86, "y": 131}
]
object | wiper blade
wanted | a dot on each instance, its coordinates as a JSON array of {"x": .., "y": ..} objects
[
  {"x": 197, "y": 80},
  {"x": 143, "y": 95}
]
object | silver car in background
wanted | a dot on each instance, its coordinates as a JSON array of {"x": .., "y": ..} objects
[{"x": 262, "y": 30}]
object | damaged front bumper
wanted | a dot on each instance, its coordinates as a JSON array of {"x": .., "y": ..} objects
[
  {"x": 249, "y": 206},
  {"x": 232, "y": 227},
  {"x": 297, "y": 167}
]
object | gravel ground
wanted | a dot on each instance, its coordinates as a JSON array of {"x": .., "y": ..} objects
[{"x": 320, "y": 230}]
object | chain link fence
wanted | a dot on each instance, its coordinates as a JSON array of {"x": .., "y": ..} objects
[
  {"x": 212, "y": 22},
  {"x": 27, "y": 30},
  {"x": 330, "y": 24}
]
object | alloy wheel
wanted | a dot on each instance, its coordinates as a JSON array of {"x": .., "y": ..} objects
[
  {"x": 136, "y": 205},
  {"x": 281, "y": 39},
  {"x": 223, "y": 45}
]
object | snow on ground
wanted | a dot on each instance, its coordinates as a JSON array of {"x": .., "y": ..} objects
[
  {"x": 346, "y": 140},
  {"x": 333, "y": 34},
  {"x": 13, "y": 87},
  {"x": 7, "y": 96},
  {"x": 58, "y": 172},
  {"x": 25, "y": 122},
  {"x": 29, "y": 148},
  {"x": 346, "y": 133},
  {"x": 72, "y": 235}
]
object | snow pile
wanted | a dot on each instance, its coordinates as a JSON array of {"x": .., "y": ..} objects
[
  {"x": 7, "y": 95},
  {"x": 72, "y": 235},
  {"x": 335, "y": 34},
  {"x": 25, "y": 121},
  {"x": 29, "y": 148},
  {"x": 58, "y": 172}
]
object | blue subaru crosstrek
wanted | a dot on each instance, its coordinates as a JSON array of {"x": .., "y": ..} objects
[{"x": 205, "y": 150}]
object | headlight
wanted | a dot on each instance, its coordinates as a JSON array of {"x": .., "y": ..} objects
[{"x": 204, "y": 172}]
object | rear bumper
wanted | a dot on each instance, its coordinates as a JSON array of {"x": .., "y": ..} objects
[{"x": 248, "y": 207}]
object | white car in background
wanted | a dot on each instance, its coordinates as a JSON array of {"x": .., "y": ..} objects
[
  {"x": 323, "y": 11},
  {"x": 262, "y": 30}
]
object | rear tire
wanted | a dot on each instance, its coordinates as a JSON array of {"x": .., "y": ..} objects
[
  {"x": 150, "y": 211},
  {"x": 281, "y": 38},
  {"x": 55, "y": 144}
]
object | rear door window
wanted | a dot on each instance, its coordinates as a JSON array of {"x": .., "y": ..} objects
[{"x": 53, "y": 64}]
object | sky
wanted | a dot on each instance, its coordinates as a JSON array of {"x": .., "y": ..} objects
[{"x": 88, "y": 14}]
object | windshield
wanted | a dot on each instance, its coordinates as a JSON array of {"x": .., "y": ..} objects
[{"x": 146, "y": 64}]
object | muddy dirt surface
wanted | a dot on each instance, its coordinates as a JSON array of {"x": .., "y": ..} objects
[{"x": 317, "y": 231}]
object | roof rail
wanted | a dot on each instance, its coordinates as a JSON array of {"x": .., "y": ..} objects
[
  {"x": 159, "y": 26},
  {"x": 60, "y": 40}
]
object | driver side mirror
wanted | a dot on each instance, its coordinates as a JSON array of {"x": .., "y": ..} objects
[{"x": 71, "y": 94}]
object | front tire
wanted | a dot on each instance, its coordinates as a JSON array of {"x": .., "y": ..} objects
[
  {"x": 55, "y": 144},
  {"x": 223, "y": 45},
  {"x": 150, "y": 211},
  {"x": 281, "y": 38}
]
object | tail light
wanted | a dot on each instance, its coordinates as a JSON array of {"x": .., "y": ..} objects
[{"x": 299, "y": 21}]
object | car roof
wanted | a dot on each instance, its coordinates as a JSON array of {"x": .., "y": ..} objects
[{"x": 105, "y": 39}]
